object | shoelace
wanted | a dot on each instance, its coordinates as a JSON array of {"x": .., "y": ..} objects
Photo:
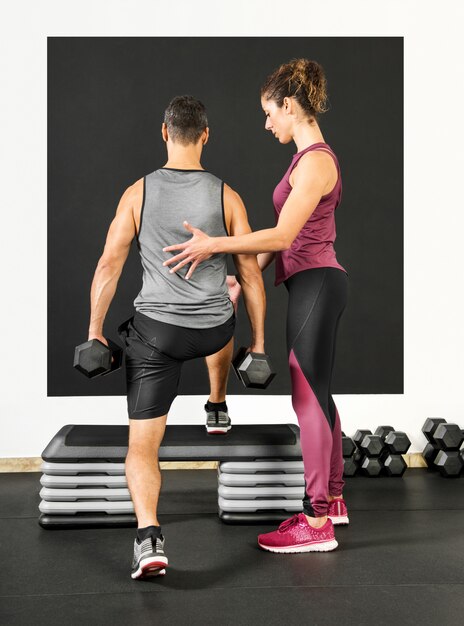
[
  {"x": 220, "y": 419},
  {"x": 295, "y": 519}
]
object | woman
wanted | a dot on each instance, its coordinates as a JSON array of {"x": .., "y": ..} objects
[{"x": 302, "y": 245}]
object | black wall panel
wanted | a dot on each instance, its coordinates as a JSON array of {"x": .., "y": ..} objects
[{"x": 106, "y": 98}]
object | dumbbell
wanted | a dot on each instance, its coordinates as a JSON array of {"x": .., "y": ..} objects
[
  {"x": 450, "y": 463},
  {"x": 359, "y": 436},
  {"x": 93, "y": 358},
  {"x": 442, "y": 451},
  {"x": 372, "y": 447},
  {"x": 429, "y": 454},
  {"x": 430, "y": 426},
  {"x": 383, "y": 431},
  {"x": 253, "y": 369},
  {"x": 348, "y": 449},
  {"x": 448, "y": 438},
  {"x": 397, "y": 443},
  {"x": 431, "y": 449}
]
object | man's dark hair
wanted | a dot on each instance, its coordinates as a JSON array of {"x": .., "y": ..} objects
[{"x": 186, "y": 119}]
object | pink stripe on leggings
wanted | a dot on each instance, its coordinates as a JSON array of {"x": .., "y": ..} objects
[{"x": 321, "y": 448}]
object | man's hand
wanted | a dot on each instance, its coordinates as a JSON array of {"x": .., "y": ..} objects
[
  {"x": 99, "y": 337},
  {"x": 194, "y": 251},
  {"x": 234, "y": 290}
]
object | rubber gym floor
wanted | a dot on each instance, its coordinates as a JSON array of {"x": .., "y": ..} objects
[{"x": 400, "y": 561}]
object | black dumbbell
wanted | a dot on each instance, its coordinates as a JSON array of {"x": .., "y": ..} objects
[
  {"x": 371, "y": 466},
  {"x": 359, "y": 436},
  {"x": 348, "y": 447},
  {"x": 372, "y": 447},
  {"x": 431, "y": 449},
  {"x": 93, "y": 358},
  {"x": 397, "y": 442},
  {"x": 393, "y": 464},
  {"x": 383, "y": 431},
  {"x": 349, "y": 466},
  {"x": 253, "y": 369},
  {"x": 430, "y": 426},
  {"x": 449, "y": 463},
  {"x": 430, "y": 454},
  {"x": 448, "y": 436}
]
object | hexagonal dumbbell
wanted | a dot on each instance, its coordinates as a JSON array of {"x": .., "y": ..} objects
[
  {"x": 349, "y": 466},
  {"x": 449, "y": 463},
  {"x": 430, "y": 454},
  {"x": 371, "y": 445},
  {"x": 383, "y": 431},
  {"x": 348, "y": 447},
  {"x": 371, "y": 466},
  {"x": 430, "y": 426},
  {"x": 397, "y": 442},
  {"x": 359, "y": 436},
  {"x": 393, "y": 464},
  {"x": 93, "y": 358},
  {"x": 448, "y": 436},
  {"x": 253, "y": 369}
]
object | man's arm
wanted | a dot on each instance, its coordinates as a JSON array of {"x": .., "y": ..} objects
[
  {"x": 118, "y": 241},
  {"x": 250, "y": 276},
  {"x": 265, "y": 259}
]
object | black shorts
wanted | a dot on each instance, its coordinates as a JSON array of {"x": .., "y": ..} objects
[{"x": 155, "y": 352}]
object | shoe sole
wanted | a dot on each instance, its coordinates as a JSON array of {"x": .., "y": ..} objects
[
  {"x": 217, "y": 431},
  {"x": 339, "y": 520},
  {"x": 324, "y": 546},
  {"x": 151, "y": 566}
]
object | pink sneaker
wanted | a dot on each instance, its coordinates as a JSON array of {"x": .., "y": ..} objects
[
  {"x": 338, "y": 512},
  {"x": 296, "y": 535}
]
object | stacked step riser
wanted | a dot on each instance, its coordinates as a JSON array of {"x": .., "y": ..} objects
[{"x": 269, "y": 490}]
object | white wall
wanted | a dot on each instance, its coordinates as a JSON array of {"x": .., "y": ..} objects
[{"x": 434, "y": 222}]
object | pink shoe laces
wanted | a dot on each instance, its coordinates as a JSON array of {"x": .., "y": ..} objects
[{"x": 295, "y": 519}]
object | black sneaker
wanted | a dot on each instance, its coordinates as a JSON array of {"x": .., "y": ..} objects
[
  {"x": 217, "y": 422},
  {"x": 149, "y": 558}
]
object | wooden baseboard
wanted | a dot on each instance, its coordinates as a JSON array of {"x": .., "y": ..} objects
[
  {"x": 32, "y": 464},
  {"x": 415, "y": 460}
]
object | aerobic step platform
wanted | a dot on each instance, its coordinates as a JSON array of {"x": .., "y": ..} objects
[
  {"x": 83, "y": 481},
  {"x": 259, "y": 491},
  {"x": 92, "y": 443}
]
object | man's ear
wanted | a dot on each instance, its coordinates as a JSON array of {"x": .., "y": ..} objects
[
  {"x": 164, "y": 132},
  {"x": 205, "y": 136}
]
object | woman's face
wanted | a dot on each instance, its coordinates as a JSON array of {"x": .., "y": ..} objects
[{"x": 278, "y": 121}]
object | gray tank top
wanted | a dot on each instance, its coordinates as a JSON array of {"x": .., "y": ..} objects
[{"x": 170, "y": 197}]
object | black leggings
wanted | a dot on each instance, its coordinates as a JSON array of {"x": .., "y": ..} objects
[{"x": 317, "y": 298}]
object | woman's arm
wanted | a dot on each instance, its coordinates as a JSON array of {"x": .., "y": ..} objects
[{"x": 310, "y": 179}]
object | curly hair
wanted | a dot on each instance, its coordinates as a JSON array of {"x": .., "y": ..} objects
[{"x": 301, "y": 79}]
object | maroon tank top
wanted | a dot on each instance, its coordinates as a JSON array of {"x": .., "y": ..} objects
[{"x": 313, "y": 246}]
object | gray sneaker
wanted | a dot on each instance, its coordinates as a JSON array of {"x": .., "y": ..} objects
[
  {"x": 149, "y": 558},
  {"x": 217, "y": 422}
]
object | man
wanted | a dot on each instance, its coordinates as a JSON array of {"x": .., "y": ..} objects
[{"x": 175, "y": 319}]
